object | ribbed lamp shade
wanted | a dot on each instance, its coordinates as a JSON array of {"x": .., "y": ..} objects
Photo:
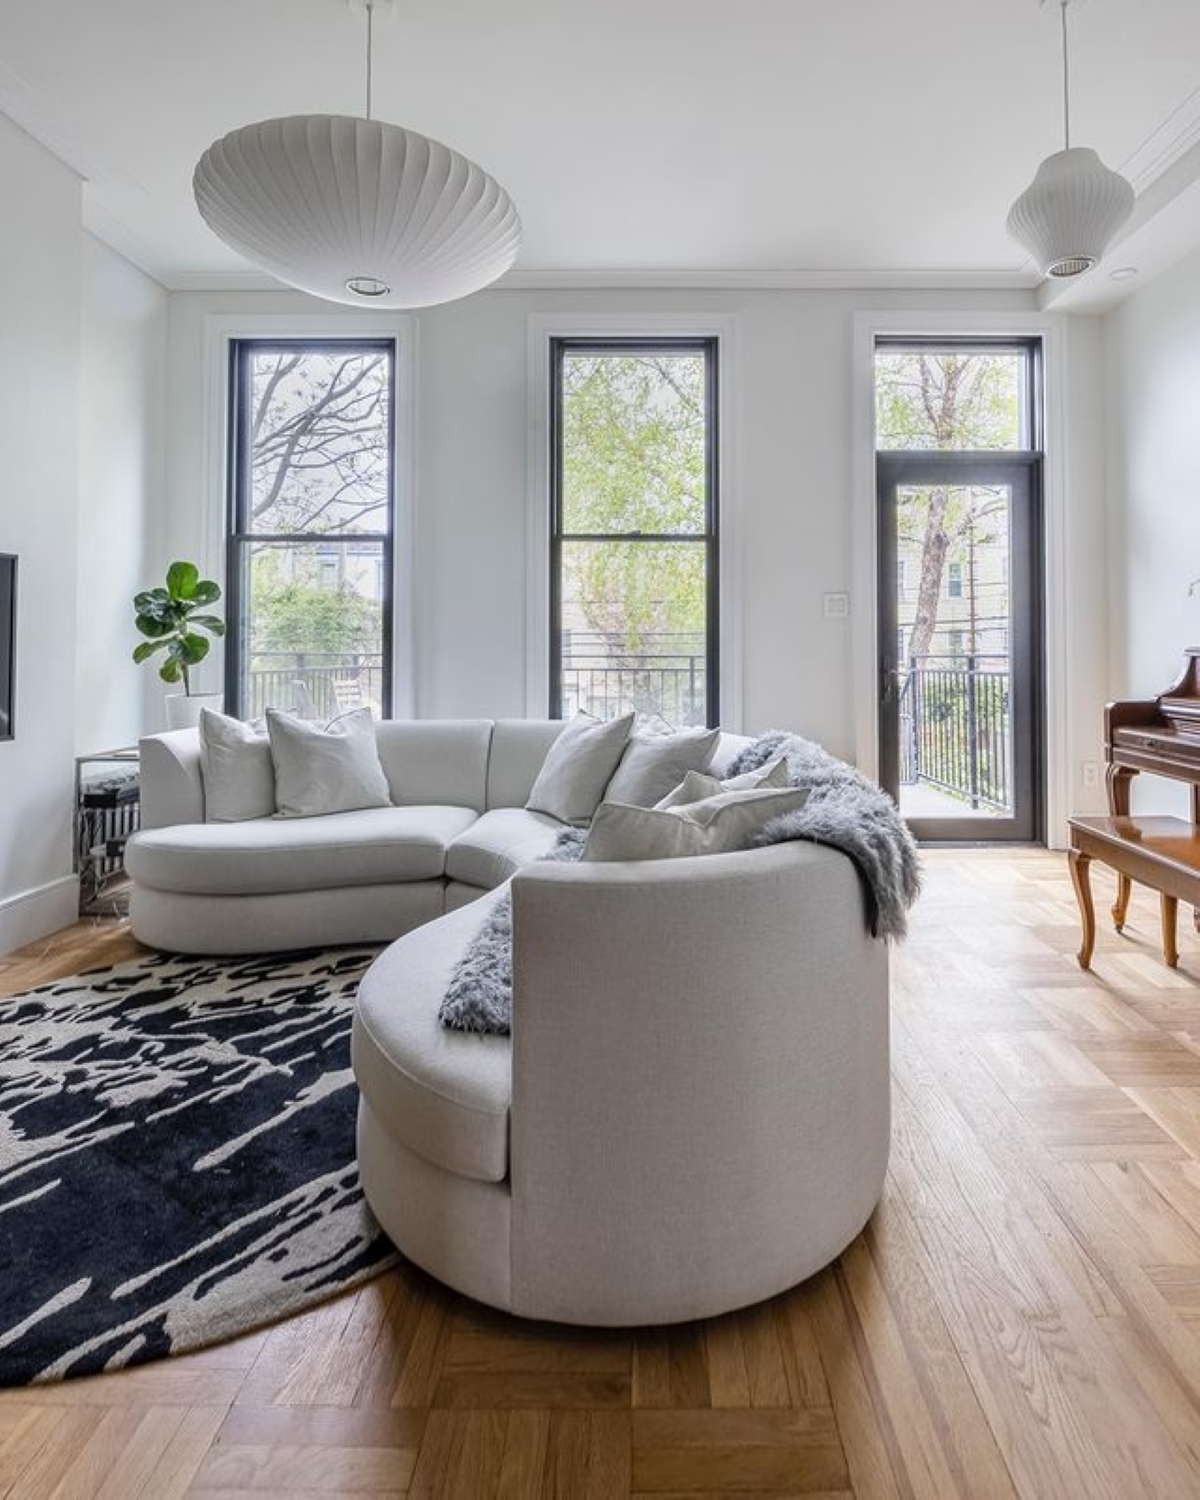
[
  {"x": 1070, "y": 212},
  {"x": 357, "y": 211}
]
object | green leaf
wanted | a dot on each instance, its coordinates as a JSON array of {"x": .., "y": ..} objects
[
  {"x": 189, "y": 649},
  {"x": 209, "y": 622},
  {"x": 182, "y": 578},
  {"x": 146, "y": 650},
  {"x": 171, "y": 671},
  {"x": 149, "y": 625},
  {"x": 206, "y": 592}
]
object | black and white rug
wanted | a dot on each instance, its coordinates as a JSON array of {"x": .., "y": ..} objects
[{"x": 176, "y": 1157}]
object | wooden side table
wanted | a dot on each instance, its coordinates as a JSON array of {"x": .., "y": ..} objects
[{"x": 1162, "y": 853}]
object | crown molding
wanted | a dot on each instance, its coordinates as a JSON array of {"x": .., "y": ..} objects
[
  {"x": 746, "y": 279},
  {"x": 19, "y": 102}
]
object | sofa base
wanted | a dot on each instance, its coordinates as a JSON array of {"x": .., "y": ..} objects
[
  {"x": 459, "y": 1230},
  {"x": 180, "y": 923},
  {"x": 456, "y": 1228}
]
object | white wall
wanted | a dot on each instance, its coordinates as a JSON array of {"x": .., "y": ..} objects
[
  {"x": 121, "y": 490},
  {"x": 1083, "y": 602},
  {"x": 1152, "y": 348},
  {"x": 39, "y": 414},
  {"x": 791, "y": 488}
]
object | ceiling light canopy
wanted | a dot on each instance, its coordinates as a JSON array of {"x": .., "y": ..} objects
[
  {"x": 1068, "y": 216},
  {"x": 356, "y": 210}
]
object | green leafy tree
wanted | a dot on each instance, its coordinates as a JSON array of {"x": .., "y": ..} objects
[
  {"x": 634, "y": 463},
  {"x": 940, "y": 400},
  {"x": 293, "y": 613}
]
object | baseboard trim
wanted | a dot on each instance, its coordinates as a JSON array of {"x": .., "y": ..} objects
[{"x": 36, "y": 913}]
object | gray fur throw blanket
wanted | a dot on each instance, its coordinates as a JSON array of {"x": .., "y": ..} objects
[
  {"x": 479, "y": 995},
  {"x": 844, "y": 810}
]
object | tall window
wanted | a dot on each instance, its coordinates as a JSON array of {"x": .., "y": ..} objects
[
  {"x": 958, "y": 467},
  {"x": 312, "y": 489},
  {"x": 634, "y": 535}
]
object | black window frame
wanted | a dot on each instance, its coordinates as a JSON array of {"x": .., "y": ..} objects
[
  {"x": 241, "y": 352},
  {"x": 709, "y": 348},
  {"x": 1027, "y": 631}
]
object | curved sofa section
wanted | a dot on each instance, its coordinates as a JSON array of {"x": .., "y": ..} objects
[
  {"x": 458, "y": 827},
  {"x": 698, "y": 1113}
]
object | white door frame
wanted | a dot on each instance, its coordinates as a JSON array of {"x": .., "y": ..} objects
[{"x": 868, "y": 326}]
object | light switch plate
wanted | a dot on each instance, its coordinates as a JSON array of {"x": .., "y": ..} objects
[{"x": 836, "y": 606}]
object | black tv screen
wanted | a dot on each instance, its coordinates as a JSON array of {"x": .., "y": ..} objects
[{"x": 8, "y": 642}]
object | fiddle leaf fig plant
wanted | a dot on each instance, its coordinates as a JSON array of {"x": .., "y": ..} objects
[{"x": 170, "y": 619}]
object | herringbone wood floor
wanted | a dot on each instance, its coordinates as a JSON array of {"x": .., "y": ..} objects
[{"x": 1022, "y": 1316}]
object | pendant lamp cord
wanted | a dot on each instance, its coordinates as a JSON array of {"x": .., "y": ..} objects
[
  {"x": 1066, "y": 63},
  {"x": 370, "y": 39}
]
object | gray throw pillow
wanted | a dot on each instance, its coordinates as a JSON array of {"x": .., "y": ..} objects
[
  {"x": 655, "y": 763},
  {"x": 717, "y": 825},
  {"x": 695, "y": 786},
  {"x": 329, "y": 770},
  {"x": 237, "y": 770},
  {"x": 579, "y": 766}
]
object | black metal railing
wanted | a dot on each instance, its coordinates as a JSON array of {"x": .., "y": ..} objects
[
  {"x": 955, "y": 728},
  {"x": 607, "y": 674},
  {"x": 314, "y": 684}
]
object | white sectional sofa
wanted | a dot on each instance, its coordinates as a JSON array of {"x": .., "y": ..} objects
[
  {"x": 692, "y": 1112},
  {"x": 459, "y": 828}
]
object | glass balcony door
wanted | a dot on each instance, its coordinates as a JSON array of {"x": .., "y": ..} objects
[{"x": 959, "y": 642}]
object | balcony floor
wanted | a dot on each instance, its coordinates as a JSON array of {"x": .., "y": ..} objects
[{"x": 919, "y": 800}]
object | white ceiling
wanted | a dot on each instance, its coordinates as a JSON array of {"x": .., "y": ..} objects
[{"x": 644, "y": 137}]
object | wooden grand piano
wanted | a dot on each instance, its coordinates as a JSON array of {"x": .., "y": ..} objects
[{"x": 1158, "y": 735}]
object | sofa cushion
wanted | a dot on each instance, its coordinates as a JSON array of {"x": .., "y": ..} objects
[
  {"x": 325, "y": 769},
  {"x": 435, "y": 762},
  {"x": 519, "y": 749},
  {"x": 443, "y": 1094},
  {"x": 374, "y": 846},
  {"x": 654, "y": 764},
  {"x": 239, "y": 774},
  {"x": 717, "y": 825},
  {"x": 498, "y": 845},
  {"x": 578, "y": 766},
  {"x": 696, "y": 786}
]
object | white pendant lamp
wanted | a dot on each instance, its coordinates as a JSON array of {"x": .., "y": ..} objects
[
  {"x": 357, "y": 210},
  {"x": 1069, "y": 214}
]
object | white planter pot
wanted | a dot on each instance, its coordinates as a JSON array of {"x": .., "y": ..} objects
[{"x": 183, "y": 710}]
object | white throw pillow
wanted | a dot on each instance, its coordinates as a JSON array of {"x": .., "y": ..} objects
[
  {"x": 654, "y": 763},
  {"x": 695, "y": 786},
  {"x": 329, "y": 770},
  {"x": 579, "y": 766},
  {"x": 717, "y": 825},
  {"x": 237, "y": 770}
]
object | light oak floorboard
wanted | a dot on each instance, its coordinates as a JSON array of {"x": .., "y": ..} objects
[{"x": 1021, "y": 1317}]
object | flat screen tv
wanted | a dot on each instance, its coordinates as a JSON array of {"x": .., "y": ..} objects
[{"x": 8, "y": 642}]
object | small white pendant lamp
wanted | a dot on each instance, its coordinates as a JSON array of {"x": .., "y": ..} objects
[
  {"x": 1069, "y": 214},
  {"x": 357, "y": 210}
]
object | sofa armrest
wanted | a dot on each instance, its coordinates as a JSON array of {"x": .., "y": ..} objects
[
  {"x": 172, "y": 788},
  {"x": 680, "y": 1028}
]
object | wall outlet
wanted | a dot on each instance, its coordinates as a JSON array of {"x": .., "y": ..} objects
[
  {"x": 1091, "y": 773},
  {"x": 836, "y": 606}
]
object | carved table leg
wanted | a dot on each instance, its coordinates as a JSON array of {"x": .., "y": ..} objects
[
  {"x": 1121, "y": 905},
  {"x": 1117, "y": 780},
  {"x": 1080, "y": 878},
  {"x": 1170, "y": 951}
]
